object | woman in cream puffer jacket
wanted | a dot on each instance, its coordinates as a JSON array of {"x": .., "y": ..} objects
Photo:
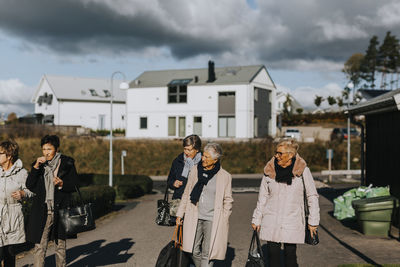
[
  {"x": 12, "y": 191},
  {"x": 279, "y": 214}
]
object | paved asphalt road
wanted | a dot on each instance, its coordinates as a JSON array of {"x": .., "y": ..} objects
[{"x": 131, "y": 238}]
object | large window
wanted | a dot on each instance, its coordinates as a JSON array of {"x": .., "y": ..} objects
[
  {"x": 227, "y": 126},
  {"x": 102, "y": 122},
  {"x": 197, "y": 126},
  {"x": 177, "y": 91},
  {"x": 143, "y": 122},
  {"x": 173, "y": 127}
]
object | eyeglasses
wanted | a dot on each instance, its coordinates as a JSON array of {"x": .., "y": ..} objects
[{"x": 280, "y": 153}]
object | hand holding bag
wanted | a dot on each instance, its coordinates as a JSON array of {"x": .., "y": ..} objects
[
  {"x": 172, "y": 254},
  {"x": 255, "y": 257},
  {"x": 163, "y": 215},
  {"x": 308, "y": 239},
  {"x": 77, "y": 219}
]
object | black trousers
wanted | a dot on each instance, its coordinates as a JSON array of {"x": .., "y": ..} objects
[
  {"x": 7, "y": 255},
  {"x": 279, "y": 258}
]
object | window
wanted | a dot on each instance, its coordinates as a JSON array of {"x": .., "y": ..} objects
[
  {"x": 143, "y": 122},
  {"x": 182, "y": 126},
  {"x": 255, "y": 94},
  {"x": 171, "y": 126},
  {"x": 255, "y": 127},
  {"x": 227, "y": 127},
  {"x": 102, "y": 122},
  {"x": 177, "y": 91},
  {"x": 197, "y": 126}
]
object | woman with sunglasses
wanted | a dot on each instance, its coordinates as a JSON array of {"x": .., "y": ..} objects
[
  {"x": 279, "y": 214},
  {"x": 12, "y": 191}
]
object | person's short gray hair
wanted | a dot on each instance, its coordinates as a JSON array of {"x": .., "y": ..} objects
[
  {"x": 214, "y": 149},
  {"x": 290, "y": 144}
]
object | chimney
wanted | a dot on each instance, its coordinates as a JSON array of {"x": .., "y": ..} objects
[{"x": 211, "y": 72}]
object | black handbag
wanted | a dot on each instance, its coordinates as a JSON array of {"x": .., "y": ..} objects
[
  {"x": 308, "y": 239},
  {"x": 172, "y": 254},
  {"x": 163, "y": 216},
  {"x": 77, "y": 219},
  {"x": 255, "y": 257}
]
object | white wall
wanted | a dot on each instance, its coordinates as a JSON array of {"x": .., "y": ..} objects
[
  {"x": 84, "y": 114},
  {"x": 87, "y": 114},
  {"x": 202, "y": 101},
  {"x": 46, "y": 109}
]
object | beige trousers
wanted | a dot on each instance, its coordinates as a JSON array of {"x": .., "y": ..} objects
[{"x": 41, "y": 248}]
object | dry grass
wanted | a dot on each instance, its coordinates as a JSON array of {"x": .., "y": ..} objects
[{"x": 154, "y": 157}]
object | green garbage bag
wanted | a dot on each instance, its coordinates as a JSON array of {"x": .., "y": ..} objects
[
  {"x": 378, "y": 191},
  {"x": 343, "y": 208}
]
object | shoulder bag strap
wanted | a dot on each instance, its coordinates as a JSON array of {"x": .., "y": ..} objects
[
  {"x": 79, "y": 193},
  {"x": 306, "y": 210},
  {"x": 166, "y": 193}
]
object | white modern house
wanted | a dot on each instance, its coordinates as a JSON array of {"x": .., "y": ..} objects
[
  {"x": 229, "y": 102},
  {"x": 80, "y": 102},
  {"x": 293, "y": 104}
]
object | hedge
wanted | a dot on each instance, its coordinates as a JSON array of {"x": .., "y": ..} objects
[
  {"x": 126, "y": 186},
  {"x": 154, "y": 157},
  {"x": 101, "y": 196}
]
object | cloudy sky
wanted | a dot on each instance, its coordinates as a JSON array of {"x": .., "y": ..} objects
[{"x": 303, "y": 43}]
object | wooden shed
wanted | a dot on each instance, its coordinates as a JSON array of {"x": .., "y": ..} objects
[{"x": 382, "y": 124}]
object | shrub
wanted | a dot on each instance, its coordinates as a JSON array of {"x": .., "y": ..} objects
[
  {"x": 101, "y": 196},
  {"x": 126, "y": 186}
]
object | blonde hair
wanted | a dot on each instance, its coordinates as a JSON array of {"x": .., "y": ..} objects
[{"x": 290, "y": 144}]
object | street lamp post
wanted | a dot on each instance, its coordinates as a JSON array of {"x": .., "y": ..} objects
[
  {"x": 350, "y": 85},
  {"x": 123, "y": 85}
]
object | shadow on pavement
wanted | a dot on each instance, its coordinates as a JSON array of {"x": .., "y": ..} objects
[
  {"x": 230, "y": 255},
  {"x": 112, "y": 253},
  {"x": 353, "y": 250},
  {"x": 96, "y": 255}
]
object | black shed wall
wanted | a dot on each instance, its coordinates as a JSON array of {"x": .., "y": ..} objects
[{"x": 383, "y": 150}]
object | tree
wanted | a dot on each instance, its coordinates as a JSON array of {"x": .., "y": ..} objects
[
  {"x": 352, "y": 68},
  {"x": 299, "y": 110},
  {"x": 331, "y": 100},
  {"x": 12, "y": 117},
  {"x": 287, "y": 105},
  {"x": 318, "y": 100},
  {"x": 368, "y": 64},
  {"x": 339, "y": 101},
  {"x": 388, "y": 58}
]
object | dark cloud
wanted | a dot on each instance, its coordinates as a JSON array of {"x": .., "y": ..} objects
[{"x": 266, "y": 31}]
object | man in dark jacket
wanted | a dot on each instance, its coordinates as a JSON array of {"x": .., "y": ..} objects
[{"x": 53, "y": 178}]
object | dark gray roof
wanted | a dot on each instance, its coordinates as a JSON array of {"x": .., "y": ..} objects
[
  {"x": 225, "y": 75},
  {"x": 78, "y": 89},
  {"x": 382, "y": 103}
]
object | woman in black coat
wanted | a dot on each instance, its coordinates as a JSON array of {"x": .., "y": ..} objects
[
  {"x": 53, "y": 178},
  {"x": 180, "y": 168}
]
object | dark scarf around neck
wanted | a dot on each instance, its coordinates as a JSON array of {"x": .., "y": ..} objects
[
  {"x": 203, "y": 177},
  {"x": 284, "y": 175}
]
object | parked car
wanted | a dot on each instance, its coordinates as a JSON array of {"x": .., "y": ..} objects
[
  {"x": 341, "y": 133},
  {"x": 293, "y": 133}
]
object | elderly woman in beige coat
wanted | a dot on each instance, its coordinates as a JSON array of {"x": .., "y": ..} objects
[
  {"x": 280, "y": 207},
  {"x": 206, "y": 206}
]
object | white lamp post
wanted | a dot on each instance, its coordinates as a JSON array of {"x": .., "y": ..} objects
[
  {"x": 123, "y": 85},
  {"x": 350, "y": 85}
]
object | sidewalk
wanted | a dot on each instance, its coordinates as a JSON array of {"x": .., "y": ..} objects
[{"x": 131, "y": 238}]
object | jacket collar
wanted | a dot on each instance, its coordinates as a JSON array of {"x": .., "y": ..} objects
[{"x": 298, "y": 169}]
